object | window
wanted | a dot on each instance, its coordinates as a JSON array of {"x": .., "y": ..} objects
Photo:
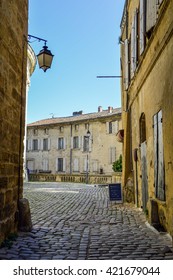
[
  {"x": 35, "y": 132},
  {"x": 142, "y": 125},
  {"x": 159, "y": 174},
  {"x": 110, "y": 127},
  {"x": 86, "y": 144},
  {"x": 60, "y": 164},
  {"x": 60, "y": 143},
  {"x": 35, "y": 144},
  {"x": 45, "y": 144},
  {"x": 76, "y": 127},
  {"x": 45, "y": 165},
  {"x": 46, "y": 131},
  {"x": 76, "y": 142},
  {"x": 61, "y": 128}
]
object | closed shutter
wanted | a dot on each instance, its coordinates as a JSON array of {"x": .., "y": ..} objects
[
  {"x": 159, "y": 180},
  {"x": 56, "y": 164},
  {"x": 64, "y": 164},
  {"x": 85, "y": 164},
  {"x": 115, "y": 127},
  {"x": 142, "y": 26},
  {"x": 134, "y": 45},
  {"x": 126, "y": 74},
  {"x": 107, "y": 127},
  {"x": 49, "y": 142},
  {"x": 76, "y": 165},
  {"x": 151, "y": 13},
  {"x": 41, "y": 144},
  {"x": 112, "y": 155},
  {"x": 29, "y": 144},
  {"x": 64, "y": 143}
]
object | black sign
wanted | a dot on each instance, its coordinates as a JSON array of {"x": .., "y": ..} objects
[{"x": 115, "y": 193}]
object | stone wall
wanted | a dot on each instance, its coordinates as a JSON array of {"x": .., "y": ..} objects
[{"x": 13, "y": 51}]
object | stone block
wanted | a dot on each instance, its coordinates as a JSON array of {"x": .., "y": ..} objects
[{"x": 25, "y": 223}]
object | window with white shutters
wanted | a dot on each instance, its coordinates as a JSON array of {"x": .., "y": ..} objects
[
  {"x": 60, "y": 143},
  {"x": 35, "y": 145},
  {"x": 75, "y": 142},
  {"x": 142, "y": 25}
]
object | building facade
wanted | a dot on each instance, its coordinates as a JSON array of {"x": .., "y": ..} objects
[
  {"x": 147, "y": 102},
  {"x": 13, "y": 65},
  {"x": 79, "y": 144}
]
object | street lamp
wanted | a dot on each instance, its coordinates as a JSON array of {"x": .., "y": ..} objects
[{"x": 45, "y": 56}]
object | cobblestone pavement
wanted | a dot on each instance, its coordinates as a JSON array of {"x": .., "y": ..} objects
[{"x": 74, "y": 221}]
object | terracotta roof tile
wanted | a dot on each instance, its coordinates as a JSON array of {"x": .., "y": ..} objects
[{"x": 60, "y": 120}]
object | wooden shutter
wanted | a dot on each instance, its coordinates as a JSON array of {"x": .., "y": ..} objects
[
  {"x": 76, "y": 165},
  {"x": 49, "y": 142},
  {"x": 64, "y": 164},
  {"x": 107, "y": 127},
  {"x": 64, "y": 143},
  {"x": 115, "y": 127},
  {"x": 151, "y": 13},
  {"x": 142, "y": 26},
  {"x": 126, "y": 73},
  {"x": 29, "y": 144},
  {"x": 159, "y": 181},
  {"x": 41, "y": 144},
  {"x": 134, "y": 44},
  {"x": 56, "y": 164}
]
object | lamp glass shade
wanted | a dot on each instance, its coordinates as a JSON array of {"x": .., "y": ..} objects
[{"x": 45, "y": 58}]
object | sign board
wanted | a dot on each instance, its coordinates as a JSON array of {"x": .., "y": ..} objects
[{"x": 115, "y": 192}]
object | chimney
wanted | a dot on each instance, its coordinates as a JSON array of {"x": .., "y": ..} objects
[
  {"x": 110, "y": 109},
  {"x": 100, "y": 109}
]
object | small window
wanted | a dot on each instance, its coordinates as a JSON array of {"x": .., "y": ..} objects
[
  {"x": 61, "y": 129},
  {"x": 46, "y": 131},
  {"x": 60, "y": 143},
  {"x": 86, "y": 144},
  {"x": 35, "y": 131},
  {"x": 60, "y": 164},
  {"x": 110, "y": 127},
  {"x": 45, "y": 144},
  {"x": 76, "y": 142},
  {"x": 35, "y": 145},
  {"x": 76, "y": 127}
]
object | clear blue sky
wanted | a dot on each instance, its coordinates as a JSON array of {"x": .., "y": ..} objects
[{"x": 83, "y": 36}]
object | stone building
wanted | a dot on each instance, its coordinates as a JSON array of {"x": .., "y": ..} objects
[
  {"x": 147, "y": 102},
  {"x": 13, "y": 66},
  {"x": 62, "y": 145}
]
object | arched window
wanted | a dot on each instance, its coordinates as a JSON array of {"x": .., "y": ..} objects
[{"x": 142, "y": 125}]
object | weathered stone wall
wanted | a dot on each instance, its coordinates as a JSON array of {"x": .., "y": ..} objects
[
  {"x": 151, "y": 90},
  {"x": 13, "y": 48},
  {"x": 101, "y": 143}
]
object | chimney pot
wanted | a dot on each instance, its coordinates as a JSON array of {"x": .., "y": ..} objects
[{"x": 100, "y": 109}]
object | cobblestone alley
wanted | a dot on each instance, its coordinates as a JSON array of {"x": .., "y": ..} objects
[{"x": 75, "y": 221}]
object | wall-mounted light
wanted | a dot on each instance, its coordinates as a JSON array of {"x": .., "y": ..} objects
[{"x": 45, "y": 56}]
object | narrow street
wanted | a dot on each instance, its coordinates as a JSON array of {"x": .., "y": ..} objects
[{"x": 75, "y": 221}]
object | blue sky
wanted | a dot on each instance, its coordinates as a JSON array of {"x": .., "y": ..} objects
[{"x": 83, "y": 36}]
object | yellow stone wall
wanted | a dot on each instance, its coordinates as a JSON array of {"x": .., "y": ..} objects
[{"x": 151, "y": 90}]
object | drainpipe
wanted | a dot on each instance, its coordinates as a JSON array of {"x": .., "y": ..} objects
[{"x": 71, "y": 134}]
